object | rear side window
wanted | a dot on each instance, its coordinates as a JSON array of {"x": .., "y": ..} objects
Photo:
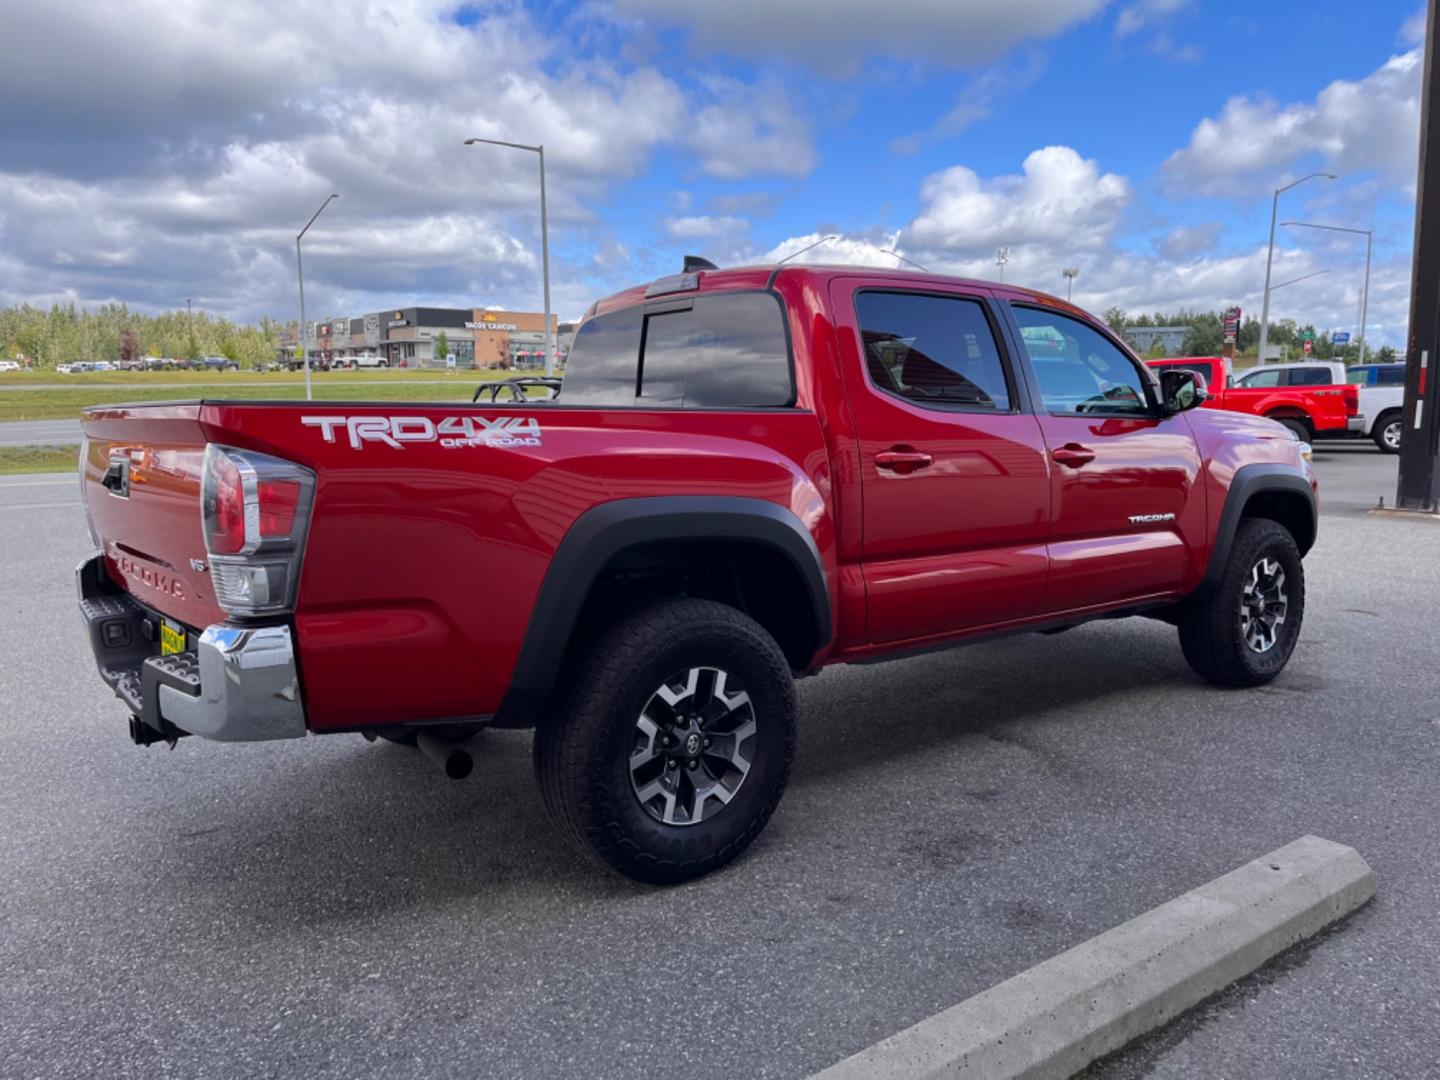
[
  {"x": 726, "y": 350},
  {"x": 1310, "y": 376},
  {"x": 1390, "y": 375},
  {"x": 937, "y": 351}
]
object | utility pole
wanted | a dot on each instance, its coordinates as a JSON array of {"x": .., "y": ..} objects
[
  {"x": 1270, "y": 257},
  {"x": 1369, "y": 235},
  {"x": 190, "y": 327},
  {"x": 300, "y": 273},
  {"x": 544, "y": 240},
  {"x": 1419, "y": 485}
]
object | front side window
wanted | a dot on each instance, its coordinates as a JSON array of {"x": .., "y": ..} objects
[
  {"x": 937, "y": 351},
  {"x": 1360, "y": 376},
  {"x": 1078, "y": 368}
]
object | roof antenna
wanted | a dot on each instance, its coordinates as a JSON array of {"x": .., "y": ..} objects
[
  {"x": 807, "y": 247},
  {"x": 695, "y": 262},
  {"x": 912, "y": 262}
]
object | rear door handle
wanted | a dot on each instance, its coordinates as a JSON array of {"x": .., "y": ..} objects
[
  {"x": 902, "y": 460},
  {"x": 1073, "y": 454}
]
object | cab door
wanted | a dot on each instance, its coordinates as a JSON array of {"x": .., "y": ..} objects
[
  {"x": 1128, "y": 517},
  {"x": 954, "y": 477}
]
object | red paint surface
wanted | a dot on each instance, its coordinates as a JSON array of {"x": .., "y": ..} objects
[{"x": 423, "y": 562}]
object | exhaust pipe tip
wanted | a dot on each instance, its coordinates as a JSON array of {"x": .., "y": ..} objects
[{"x": 453, "y": 758}]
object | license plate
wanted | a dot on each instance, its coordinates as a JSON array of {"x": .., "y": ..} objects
[{"x": 172, "y": 638}]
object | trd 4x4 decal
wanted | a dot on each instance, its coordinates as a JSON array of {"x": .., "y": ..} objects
[{"x": 452, "y": 431}]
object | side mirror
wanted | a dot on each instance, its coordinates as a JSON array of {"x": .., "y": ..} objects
[{"x": 1181, "y": 390}]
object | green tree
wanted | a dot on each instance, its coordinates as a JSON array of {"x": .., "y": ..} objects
[
  {"x": 442, "y": 346},
  {"x": 1386, "y": 355}
]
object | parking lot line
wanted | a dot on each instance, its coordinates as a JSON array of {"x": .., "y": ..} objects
[{"x": 39, "y": 506}]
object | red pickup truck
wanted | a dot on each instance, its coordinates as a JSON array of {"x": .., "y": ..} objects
[
  {"x": 748, "y": 474},
  {"x": 1311, "y": 412}
]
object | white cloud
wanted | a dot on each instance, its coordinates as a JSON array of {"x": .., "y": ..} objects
[
  {"x": 834, "y": 35},
  {"x": 706, "y": 228},
  {"x": 1368, "y": 125},
  {"x": 1145, "y": 13},
  {"x": 1187, "y": 241},
  {"x": 830, "y": 249},
  {"x": 1060, "y": 197},
  {"x": 978, "y": 100},
  {"x": 748, "y": 130},
  {"x": 1413, "y": 31}
]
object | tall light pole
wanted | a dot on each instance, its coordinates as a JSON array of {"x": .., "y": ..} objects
[
  {"x": 544, "y": 239},
  {"x": 190, "y": 328},
  {"x": 300, "y": 270},
  {"x": 1369, "y": 235},
  {"x": 1270, "y": 256},
  {"x": 1002, "y": 256},
  {"x": 1071, "y": 273}
]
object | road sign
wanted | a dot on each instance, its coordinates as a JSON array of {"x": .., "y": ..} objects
[
  {"x": 1341, "y": 337},
  {"x": 1308, "y": 346},
  {"x": 450, "y": 360}
]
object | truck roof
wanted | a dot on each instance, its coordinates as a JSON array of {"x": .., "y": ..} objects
[{"x": 758, "y": 277}]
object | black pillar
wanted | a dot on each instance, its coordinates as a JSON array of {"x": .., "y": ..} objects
[{"x": 1419, "y": 487}]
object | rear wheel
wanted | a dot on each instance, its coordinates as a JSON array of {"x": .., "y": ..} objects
[
  {"x": 1299, "y": 428},
  {"x": 1388, "y": 430},
  {"x": 1241, "y": 631},
  {"x": 673, "y": 748}
]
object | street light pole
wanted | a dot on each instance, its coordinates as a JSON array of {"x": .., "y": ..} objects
[
  {"x": 1002, "y": 256},
  {"x": 1369, "y": 235},
  {"x": 190, "y": 328},
  {"x": 1270, "y": 257},
  {"x": 300, "y": 271},
  {"x": 544, "y": 240},
  {"x": 1071, "y": 273}
]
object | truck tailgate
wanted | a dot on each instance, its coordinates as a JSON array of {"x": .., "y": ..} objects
[{"x": 141, "y": 470}]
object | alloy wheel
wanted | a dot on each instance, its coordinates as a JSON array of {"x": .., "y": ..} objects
[
  {"x": 1391, "y": 434},
  {"x": 693, "y": 745},
  {"x": 1263, "y": 605}
]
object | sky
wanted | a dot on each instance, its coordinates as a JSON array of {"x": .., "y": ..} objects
[{"x": 159, "y": 150}]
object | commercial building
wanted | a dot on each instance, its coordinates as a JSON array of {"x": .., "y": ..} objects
[
  {"x": 1144, "y": 339},
  {"x": 413, "y": 337}
]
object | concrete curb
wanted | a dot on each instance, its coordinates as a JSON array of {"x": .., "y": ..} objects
[{"x": 1056, "y": 1018}]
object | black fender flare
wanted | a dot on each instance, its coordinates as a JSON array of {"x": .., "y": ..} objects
[
  {"x": 1249, "y": 481},
  {"x": 604, "y": 531}
]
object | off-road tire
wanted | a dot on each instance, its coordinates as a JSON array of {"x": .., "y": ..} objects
[
  {"x": 583, "y": 744},
  {"x": 1210, "y": 623}
]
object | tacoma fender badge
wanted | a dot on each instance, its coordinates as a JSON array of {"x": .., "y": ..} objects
[{"x": 1150, "y": 519}]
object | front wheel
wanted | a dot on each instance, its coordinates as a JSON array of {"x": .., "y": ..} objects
[
  {"x": 1242, "y": 630},
  {"x": 673, "y": 748},
  {"x": 1388, "y": 432}
]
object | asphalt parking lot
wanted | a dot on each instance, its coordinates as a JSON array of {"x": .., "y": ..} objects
[{"x": 335, "y": 908}]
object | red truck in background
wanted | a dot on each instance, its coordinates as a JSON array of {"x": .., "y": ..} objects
[
  {"x": 748, "y": 474},
  {"x": 1310, "y": 412}
]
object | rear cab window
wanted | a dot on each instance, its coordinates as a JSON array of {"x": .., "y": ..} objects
[{"x": 724, "y": 350}]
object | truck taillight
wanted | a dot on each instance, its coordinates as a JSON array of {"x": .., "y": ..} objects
[
  {"x": 256, "y": 513},
  {"x": 1351, "y": 393}
]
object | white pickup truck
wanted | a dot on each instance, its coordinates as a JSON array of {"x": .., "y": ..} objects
[{"x": 1382, "y": 393}]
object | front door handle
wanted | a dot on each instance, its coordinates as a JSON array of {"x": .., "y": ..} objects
[
  {"x": 1073, "y": 454},
  {"x": 903, "y": 460}
]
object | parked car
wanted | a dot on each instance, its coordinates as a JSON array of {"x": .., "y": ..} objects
[
  {"x": 10, "y": 365},
  {"x": 216, "y": 363},
  {"x": 1382, "y": 402},
  {"x": 749, "y": 474},
  {"x": 1311, "y": 411},
  {"x": 102, "y": 365}
]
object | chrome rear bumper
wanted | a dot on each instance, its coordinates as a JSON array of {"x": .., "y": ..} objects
[{"x": 238, "y": 684}]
